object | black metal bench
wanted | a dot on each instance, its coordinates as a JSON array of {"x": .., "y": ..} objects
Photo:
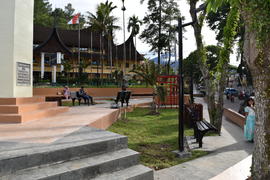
[
  {"x": 123, "y": 97},
  {"x": 200, "y": 126}
]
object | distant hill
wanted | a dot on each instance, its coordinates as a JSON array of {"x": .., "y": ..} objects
[{"x": 164, "y": 60}]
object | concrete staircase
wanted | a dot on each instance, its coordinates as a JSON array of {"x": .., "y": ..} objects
[
  {"x": 19, "y": 110},
  {"x": 88, "y": 153}
]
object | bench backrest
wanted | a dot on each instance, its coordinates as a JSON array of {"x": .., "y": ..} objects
[
  {"x": 118, "y": 96},
  {"x": 127, "y": 96},
  {"x": 195, "y": 111},
  {"x": 123, "y": 96},
  {"x": 73, "y": 95}
]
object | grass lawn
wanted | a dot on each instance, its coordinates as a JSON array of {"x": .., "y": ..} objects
[{"x": 155, "y": 137}]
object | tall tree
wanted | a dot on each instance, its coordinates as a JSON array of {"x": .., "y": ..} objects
[
  {"x": 134, "y": 23},
  {"x": 171, "y": 13},
  {"x": 214, "y": 80},
  {"x": 161, "y": 13},
  {"x": 208, "y": 79},
  {"x": 69, "y": 11},
  {"x": 42, "y": 13},
  {"x": 256, "y": 18},
  {"x": 63, "y": 16},
  {"x": 103, "y": 23}
]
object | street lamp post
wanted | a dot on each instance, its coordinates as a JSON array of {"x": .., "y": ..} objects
[
  {"x": 181, "y": 86},
  {"x": 181, "y": 89},
  {"x": 124, "y": 32},
  {"x": 181, "y": 81}
]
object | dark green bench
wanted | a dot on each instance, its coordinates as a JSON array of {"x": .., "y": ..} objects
[
  {"x": 200, "y": 126},
  {"x": 123, "y": 97}
]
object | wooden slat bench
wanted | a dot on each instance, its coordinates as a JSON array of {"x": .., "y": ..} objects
[{"x": 200, "y": 126}]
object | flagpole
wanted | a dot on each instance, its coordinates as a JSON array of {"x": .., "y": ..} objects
[{"x": 79, "y": 43}]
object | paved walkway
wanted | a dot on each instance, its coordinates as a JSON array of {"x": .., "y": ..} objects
[
  {"x": 48, "y": 130},
  {"x": 232, "y": 105},
  {"x": 225, "y": 151}
]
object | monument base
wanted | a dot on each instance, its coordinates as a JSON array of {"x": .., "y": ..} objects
[{"x": 19, "y": 110}]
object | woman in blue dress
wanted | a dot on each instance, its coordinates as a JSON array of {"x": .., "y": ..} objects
[{"x": 250, "y": 120}]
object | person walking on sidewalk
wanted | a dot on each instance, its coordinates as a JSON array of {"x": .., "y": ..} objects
[{"x": 250, "y": 120}]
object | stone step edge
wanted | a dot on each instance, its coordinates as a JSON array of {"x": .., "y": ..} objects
[
  {"x": 99, "y": 164},
  {"x": 20, "y": 109},
  {"x": 32, "y": 115},
  {"x": 138, "y": 172},
  {"x": 49, "y": 156},
  {"x": 19, "y": 101}
]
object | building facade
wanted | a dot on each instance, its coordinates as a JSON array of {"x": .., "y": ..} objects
[{"x": 70, "y": 51}]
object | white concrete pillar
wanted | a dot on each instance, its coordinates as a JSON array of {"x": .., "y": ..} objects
[
  {"x": 58, "y": 57},
  {"x": 62, "y": 68},
  {"x": 16, "y": 48},
  {"x": 42, "y": 64},
  {"x": 54, "y": 74}
]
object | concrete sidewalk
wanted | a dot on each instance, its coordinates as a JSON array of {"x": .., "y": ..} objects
[
  {"x": 51, "y": 129},
  {"x": 225, "y": 151}
]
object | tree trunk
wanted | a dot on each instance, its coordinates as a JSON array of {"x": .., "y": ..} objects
[
  {"x": 102, "y": 62},
  {"x": 169, "y": 61},
  {"x": 208, "y": 81},
  {"x": 159, "y": 35},
  {"x": 258, "y": 63}
]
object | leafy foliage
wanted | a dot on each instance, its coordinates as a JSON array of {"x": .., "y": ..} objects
[
  {"x": 217, "y": 20},
  {"x": 158, "y": 32},
  {"x": 134, "y": 23},
  {"x": 191, "y": 63},
  {"x": 45, "y": 16},
  {"x": 42, "y": 13},
  {"x": 103, "y": 21},
  {"x": 149, "y": 71}
]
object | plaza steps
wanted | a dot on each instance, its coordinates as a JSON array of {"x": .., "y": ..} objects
[
  {"x": 19, "y": 110},
  {"x": 88, "y": 153}
]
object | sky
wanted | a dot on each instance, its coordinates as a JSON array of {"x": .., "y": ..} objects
[{"x": 134, "y": 7}]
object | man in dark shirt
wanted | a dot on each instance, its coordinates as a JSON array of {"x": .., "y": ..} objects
[{"x": 85, "y": 96}]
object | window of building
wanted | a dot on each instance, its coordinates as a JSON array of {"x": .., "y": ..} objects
[{"x": 94, "y": 62}]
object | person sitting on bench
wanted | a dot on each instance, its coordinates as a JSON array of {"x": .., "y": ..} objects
[
  {"x": 85, "y": 96},
  {"x": 123, "y": 96},
  {"x": 66, "y": 92}
]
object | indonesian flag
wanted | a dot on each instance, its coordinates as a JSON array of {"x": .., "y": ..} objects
[{"x": 75, "y": 19}]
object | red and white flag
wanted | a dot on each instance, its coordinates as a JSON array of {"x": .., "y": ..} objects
[{"x": 75, "y": 19}]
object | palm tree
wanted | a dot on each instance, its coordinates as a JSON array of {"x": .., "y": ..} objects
[
  {"x": 134, "y": 23},
  {"x": 102, "y": 22},
  {"x": 118, "y": 75},
  {"x": 256, "y": 51},
  {"x": 67, "y": 68},
  {"x": 150, "y": 71}
]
